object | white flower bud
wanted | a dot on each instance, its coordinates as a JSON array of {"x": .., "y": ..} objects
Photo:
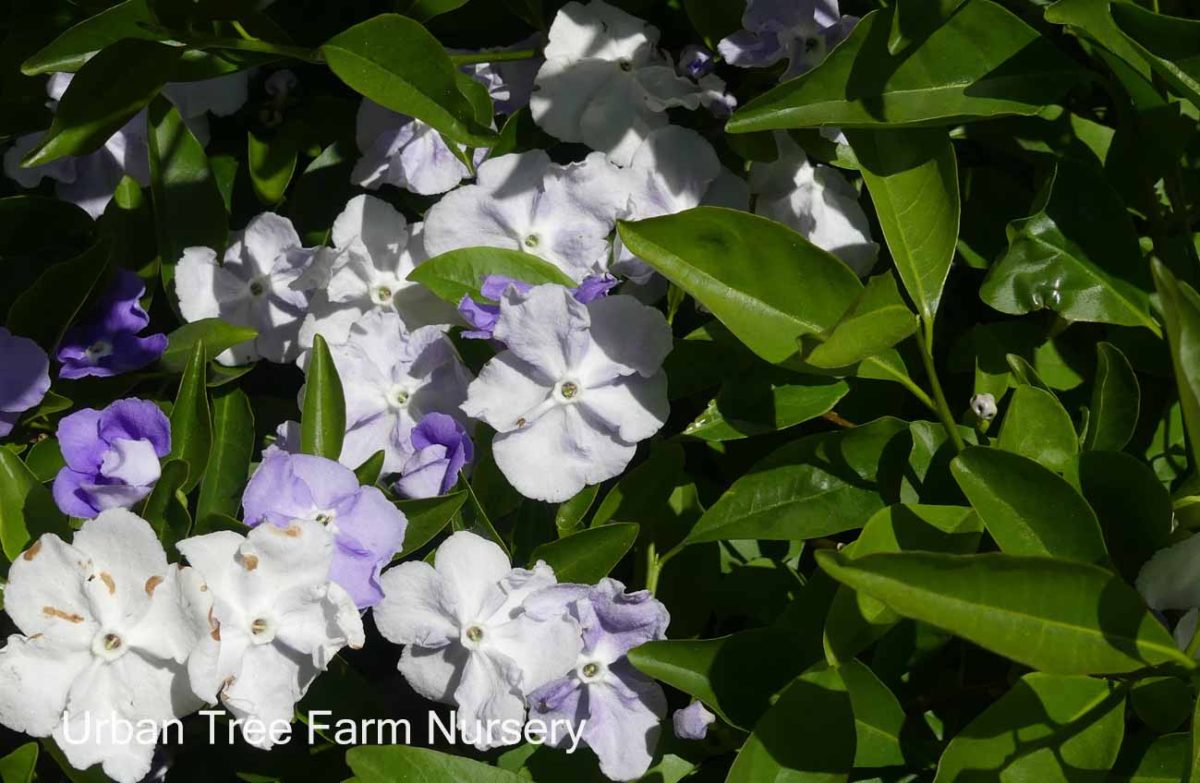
[{"x": 984, "y": 406}]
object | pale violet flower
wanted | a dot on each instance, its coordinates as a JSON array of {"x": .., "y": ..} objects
[
  {"x": 817, "y": 202},
  {"x": 103, "y": 637},
  {"x": 605, "y": 83},
  {"x": 692, "y": 722},
  {"x": 275, "y": 620},
  {"x": 617, "y": 709},
  {"x": 441, "y": 449},
  {"x": 256, "y": 286},
  {"x": 405, "y": 152},
  {"x": 576, "y": 390},
  {"x": 392, "y": 377},
  {"x": 468, "y": 642},
  {"x": 800, "y": 31},
  {"x": 367, "y": 529},
  {"x": 509, "y": 83},
  {"x": 482, "y": 317},
  {"x": 25, "y": 379},
  {"x": 374, "y": 250},
  {"x": 562, "y": 214},
  {"x": 1169, "y": 581}
]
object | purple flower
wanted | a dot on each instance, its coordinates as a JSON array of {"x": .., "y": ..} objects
[
  {"x": 696, "y": 62},
  {"x": 107, "y": 343},
  {"x": 24, "y": 379},
  {"x": 622, "y": 707},
  {"x": 482, "y": 317},
  {"x": 367, "y": 529},
  {"x": 442, "y": 448},
  {"x": 112, "y": 456},
  {"x": 800, "y": 31},
  {"x": 692, "y": 722}
]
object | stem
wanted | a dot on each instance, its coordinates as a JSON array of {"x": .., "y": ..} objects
[
  {"x": 474, "y": 58},
  {"x": 262, "y": 47},
  {"x": 925, "y": 340},
  {"x": 653, "y": 567}
]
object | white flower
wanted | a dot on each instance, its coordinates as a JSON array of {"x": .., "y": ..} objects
[
  {"x": 405, "y": 152},
  {"x": 392, "y": 377},
  {"x": 254, "y": 287},
  {"x": 469, "y": 643},
  {"x": 605, "y": 83},
  {"x": 576, "y": 390},
  {"x": 374, "y": 250},
  {"x": 563, "y": 214},
  {"x": 984, "y": 406},
  {"x": 816, "y": 202},
  {"x": 104, "y": 637},
  {"x": 275, "y": 619}
]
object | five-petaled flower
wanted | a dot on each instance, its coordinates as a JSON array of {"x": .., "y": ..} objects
[
  {"x": 24, "y": 380},
  {"x": 107, "y": 343}
]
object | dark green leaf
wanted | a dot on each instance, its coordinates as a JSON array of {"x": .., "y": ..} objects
[
  {"x": 44, "y": 310},
  {"x": 368, "y": 472},
  {"x": 1181, "y": 309},
  {"x": 70, "y": 50},
  {"x": 26, "y": 508},
  {"x": 459, "y": 273},
  {"x": 1162, "y": 703},
  {"x": 217, "y": 336},
  {"x": 1164, "y": 760},
  {"x": 877, "y": 320},
  {"x": 272, "y": 162},
  {"x": 427, "y": 517},
  {"x": 1036, "y": 425},
  {"x": 1058, "y": 616},
  {"x": 392, "y": 763},
  {"x": 424, "y": 10},
  {"x": 166, "y": 507},
  {"x": 1170, "y": 44},
  {"x": 1028, "y": 509},
  {"x": 191, "y": 422},
  {"x": 232, "y": 450},
  {"x": 570, "y": 514},
  {"x": 878, "y": 718},
  {"x": 1116, "y": 401},
  {"x": 1134, "y": 508},
  {"x": 750, "y": 405},
  {"x": 19, "y": 766},
  {"x": 588, "y": 556},
  {"x": 323, "y": 418}
]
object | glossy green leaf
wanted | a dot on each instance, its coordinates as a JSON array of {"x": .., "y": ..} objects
[
  {"x": 112, "y": 87},
  {"x": 459, "y": 273},
  {"x": 1046, "y": 727},
  {"x": 43, "y": 311},
  {"x": 368, "y": 473},
  {"x": 570, "y": 514},
  {"x": 983, "y": 62},
  {"x": 1133, "y": 507},
  {"x": 1116, "y": 401},
  {"x": 1181, "y": 309},
  {"x": 70, "y": 50},
  {"x": 424, "y": 10},
  {"x": 814, "y": 706},
  {"x": 813, "y": 487},
  {"x": 232, "y": 451},
  {"x": 1037, "y": 426},
  {"x": 392, "y": 763},
  {"x": 166, "y": 507},
  {"x": 26, "y": 508},
  {"x": 1093, "y": 18},
  {"x": 1027, "y": 508},
  {"x": 878, "y": 320},
  {"x": 19, "y": 765},
  {"x": 272, "y": 162},
  {"x": 1057, "y": 616},
  {"x": 395, "y": 62},
  {"x": 427, "y": 517},
  {"x": 588, "y": 556},
  {"x": 45, "y": 459},
  {"x": 1077, "y": 255},
  {"x": 782, "y": 287},
  {"x": 216, "y": 334},
  {"x": 912, "y": 176},
  {"x": 323, "y": 416},
  {"x": 751, "y": 405},
  {"x": 1163, "y": 760},
  {"x": 878, "y": 718},
  {"x": 1162, "y": 703},
  {"x": 1170, "y": 44},
  {"x": 191, "y": 420}
]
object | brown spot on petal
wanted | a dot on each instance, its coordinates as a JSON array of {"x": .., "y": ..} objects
[
  {"x": 250, "y": 562},
  {"x": 152, "y": 583},
  {"x": 107, "y": 579},
  {"x": 520, "y": 422},
  {"x": 70, "y": 617},
  {"x": 291, "y": 531},
  {"x": 32, "y": 551},
  {"x": 215, "y": 633}
]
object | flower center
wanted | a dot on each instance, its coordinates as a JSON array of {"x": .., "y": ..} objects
[
  {"x": 261, "y": 631},
  {"x": 398, "y": 396},
  {"x": 591, "y": 670},
  {"x": 475, "y": 633},
  {"x": 625, "y": 65},
  {"x": 257, "y": 288},
  {"x": 532, "y": 241},
  {"x": 111, "y": 641},
  {"x": 383, "y": 294},
  {"x": 98, "y": 350},
  {"x": 108, "y": 646},
  {"x": 568, "y": 390}
]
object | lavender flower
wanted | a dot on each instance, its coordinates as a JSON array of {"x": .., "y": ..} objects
[
  {"x": 405, "y": 152},
  {"x": 800, "y": 31},
  {"x": 483, "y": 317},
  {"x": 618, "y": 708},
  {"x": 696, "y": 62},
  {"x": 442, "y": 448},
  {"x": 692, "y": 722},
  {"x": 112, "y": 456},
  {"x": 24, "y": 380},
  {"x": 367, "y": 529},
  {"x": 107, "y": 343}
]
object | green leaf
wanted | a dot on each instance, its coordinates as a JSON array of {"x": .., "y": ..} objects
[
  {"x": 1164, "y": 760},
  {"x": 459, "y": 273},
  {"x": 427, "y": 517},
  {"x": 232, "y": 451},
  {"x": 392, "y": 763},
  {"x": 813, "y": 487},
  {"x": 368, "y": 472},
  {"x": 112, "y": 87},
  {"x": 396, "y": 63},
  {"x": 878, "y": 718},
  {"x": 1077, "y": 255},
  {"x": 816, "y": 707},
  {"x": 1036, "y": 425},
  {"x": 1170, "y": 44},
  {"x": 19, "y": 766},
  {"x": 1162, "y": 703},
  {"x": 1046, "y": 727},
  {"x": 983, "y": 62},
  {"x": 751, "y": 405},
  {"x": 912, "y": 176},
  {"x": 323, "y": 418},
  {"x": 424, "y": 10},
  {"x": 45, "y": 310},
  {"x": 1134, "y": 508},
  {"x": 782, "y": 287},
  {"x": 715, "y": 19},
  {"x": 1181, "y": 311},
  {"x": 166, "y": 507},
  {"x": 1116, "y": 401},
  {"x": 70, "y": 50},
  {"x": 570, "y": 514},
  {"x": 216, "y": 334},
  {"x": 1028, "y": 509},
  {"x": 1192, "y": 764},
  {"x": 191, "y": 423},
  {"x": 1093, "y": 18},
  {"x": 45, "y": 459},
  {"x": 735, "y": 676},
  {"x": 26, "y": 508},
  {"x": 877, "y": 320},
  {"x": 271, "y": 162},
  {"x": 188, "y": 208},
  {"x": 1057, "y": 616},
  {"x": 588, "y": 556}
]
